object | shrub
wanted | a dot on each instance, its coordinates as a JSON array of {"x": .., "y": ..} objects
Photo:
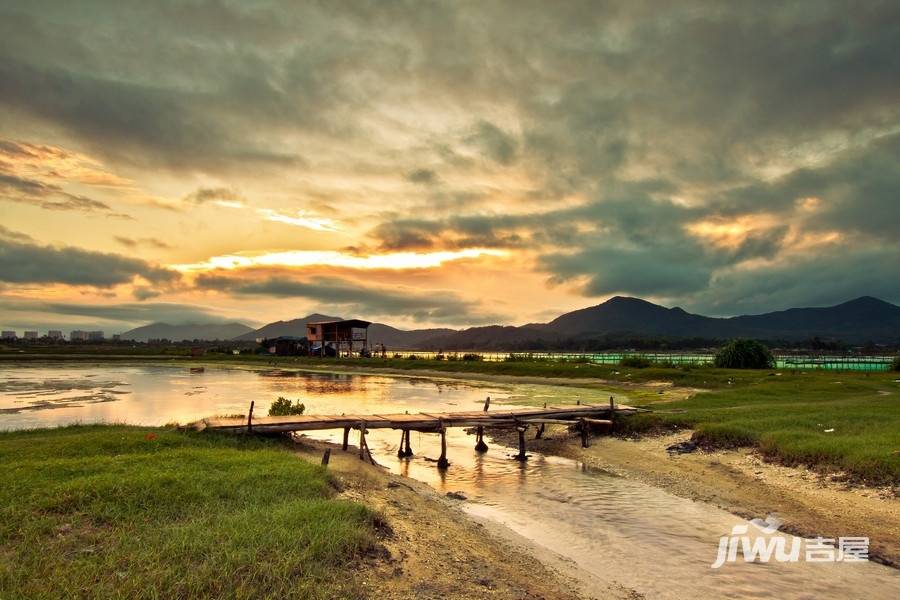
[
  {"x": 744, "y": 354},
  {"x": 412, "y": 357},
  {"x": 471, "y": 356},
  {"x": 895, "y": 366},
  {"x": 635, "y": 362},
  {"x": 284, "y": 407}
]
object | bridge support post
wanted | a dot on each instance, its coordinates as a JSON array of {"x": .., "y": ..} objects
[
  {"x": 480, "y": 446},
  {"x": 521, "y": 456},
  {"x": 540, "y": 432},
  {"x": 442, "y": 462},
  {"x": 346, "y": 438},
  {"x": 401, "y": 453},
  {"x": 407, "y": 450},
  {"x": 585, "y": 433}
]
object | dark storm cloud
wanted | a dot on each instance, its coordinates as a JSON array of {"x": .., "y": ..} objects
[
  {"x": 419, "y": 305},
  {"x": 26, "y": 262},
  {"x": 143, "y": 312},
  {"x": 822, "y": 280}
]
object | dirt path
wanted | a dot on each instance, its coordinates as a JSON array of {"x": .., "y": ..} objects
[
  {"x": 739, "y": 481},
  {"x": 435, "y": 551}
]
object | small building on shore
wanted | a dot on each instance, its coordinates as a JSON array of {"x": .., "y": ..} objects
[
  {"x": 287, "y": 345},
  {"x": 343, "y": 337}
]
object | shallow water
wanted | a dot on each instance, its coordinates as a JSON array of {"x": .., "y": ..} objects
[{"x": 613, "y": 529}]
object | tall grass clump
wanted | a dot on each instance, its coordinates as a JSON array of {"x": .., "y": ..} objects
[
  {"x": 283, "y": 407},
  {"x": 744, "y": 354},
  {"x": 635, "y": 362}
]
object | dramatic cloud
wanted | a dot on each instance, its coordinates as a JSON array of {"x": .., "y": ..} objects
[
  {"x": 120, "y": 314},
  {"x": 431, "y": 306},
  {"x": 26, "y": 262},
  {"x": 695, "y": 153},
  {"x": 51, "y": 197}
]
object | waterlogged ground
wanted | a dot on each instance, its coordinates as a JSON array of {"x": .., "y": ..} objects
[{"x": 606, "y": 530}]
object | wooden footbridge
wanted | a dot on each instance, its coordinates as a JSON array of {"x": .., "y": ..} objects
[{"x": 585, "y": 416}]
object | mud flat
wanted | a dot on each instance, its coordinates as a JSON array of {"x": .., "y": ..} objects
[{"x": 739, "y": 481}]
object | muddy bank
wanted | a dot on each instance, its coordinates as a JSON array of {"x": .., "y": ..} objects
[
  {"x": 434, "y": 550},
  {"x": 739, "y": 481}
]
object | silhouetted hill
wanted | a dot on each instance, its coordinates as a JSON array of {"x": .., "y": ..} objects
[
  {"x": 379, "y": 333},
  {"x": 860, "y": 320},
  {"x": 189, "y": 331},
  {"x": 490, "y": 337},
  {"x": 857, "y": 321},
  {"x": 629, "y": 319},
  {"x": 294, "y": 327},
  {"x": 400, "y": 339},
  {"x": 629, "y": 315}
]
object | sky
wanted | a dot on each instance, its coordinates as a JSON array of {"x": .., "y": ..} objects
[{"x": 443, "y": 163}]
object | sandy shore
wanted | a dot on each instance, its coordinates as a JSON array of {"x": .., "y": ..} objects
[
  {"x": 810, "y": 504},
  {"x": 433, "y": 550}
]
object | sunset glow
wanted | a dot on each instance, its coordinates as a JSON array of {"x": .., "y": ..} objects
[{"x": 569, "y": 156}]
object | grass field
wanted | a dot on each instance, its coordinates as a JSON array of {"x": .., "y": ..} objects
[
  {"x": 130, "y": 512},
  {"x": 847, "y": 420}
]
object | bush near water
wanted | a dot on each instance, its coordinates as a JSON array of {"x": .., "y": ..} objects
[
  {"x": 744, "y": 354},
  {"x": 895, "y": 366},
  {"x": 283, "y": 407}
]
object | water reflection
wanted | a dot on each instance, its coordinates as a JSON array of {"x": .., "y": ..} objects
[{"x": 615, "y": 530}]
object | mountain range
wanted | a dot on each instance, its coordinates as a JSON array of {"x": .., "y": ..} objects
[
  {"x": 864, "y": 319},
  {"x": 188, "y": 331}
]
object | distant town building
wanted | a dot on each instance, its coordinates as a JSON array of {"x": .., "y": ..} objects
[
  {"x": 95, "y": 336},
  {"x": 116, "y": 337},
  {"x": 8, "y": 335},
  {"x": 55, "y": 334},
  {"x": 78, "y": 335},
  {"x": 31, "y": 335}
]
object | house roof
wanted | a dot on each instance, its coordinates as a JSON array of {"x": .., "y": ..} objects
[{"x": 347, "y": 322}]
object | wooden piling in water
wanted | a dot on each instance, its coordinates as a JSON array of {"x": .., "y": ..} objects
[
  {"x": 403, "y": 434},
  {"x": 250, "y": 418},
  {"x": 521, "y": 456},
  {"x": 585, "y": 433},
  {"x": 326, "y": 457},
  {"x": 442, "y": 462},
  {"x": 407, "y": 451},
  {"x": 540, "y": 429},
  {"x": 480, "y": 446}
]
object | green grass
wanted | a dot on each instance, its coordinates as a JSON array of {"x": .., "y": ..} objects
[
  {"x": 129, "y": 512},
  {"x": 787, "y": 418}
]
